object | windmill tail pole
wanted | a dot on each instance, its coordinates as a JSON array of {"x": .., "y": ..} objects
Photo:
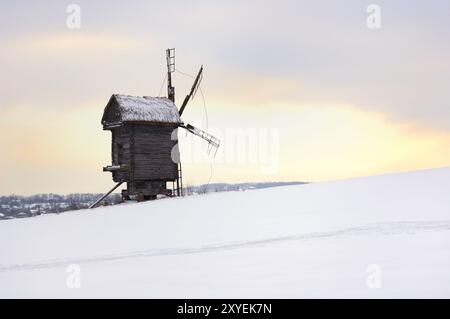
[{"x": 104, "y": 196}]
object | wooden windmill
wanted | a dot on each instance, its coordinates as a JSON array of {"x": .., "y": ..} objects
[{"x": 144, "y": 148}]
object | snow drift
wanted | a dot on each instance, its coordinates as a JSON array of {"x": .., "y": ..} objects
[{"x": 385, "y": 236}]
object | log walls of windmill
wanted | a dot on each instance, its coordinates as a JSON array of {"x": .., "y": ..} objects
[
  {"x": 151, "y": 152},
  {"x": 145, "y": 149},
  {"x": 121, "y": 152}
]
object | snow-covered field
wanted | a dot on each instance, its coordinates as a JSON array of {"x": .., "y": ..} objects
[{"x": 384, "y": 236}]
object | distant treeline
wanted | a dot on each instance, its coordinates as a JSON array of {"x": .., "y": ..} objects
[
  {"x": 15, "y": 206},
  {"x": 50, "y": 198},
  {"x": 224, "y": 187}
]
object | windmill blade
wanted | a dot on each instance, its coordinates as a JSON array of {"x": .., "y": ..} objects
[
  {"x": 194, "y": 89},
  {"x": 213, "y": 142}
]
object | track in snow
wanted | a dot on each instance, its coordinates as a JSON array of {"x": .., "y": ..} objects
[{"x": 392, "y": 228}]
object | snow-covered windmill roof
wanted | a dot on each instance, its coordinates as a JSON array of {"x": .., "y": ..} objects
[{"x": 144, "y": 109}]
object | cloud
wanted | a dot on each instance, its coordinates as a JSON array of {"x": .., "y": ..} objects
[
  {"x": 68, "y": 69},
  {"x": 75, "y": 44},
  {"x": 321, "y": 50}
]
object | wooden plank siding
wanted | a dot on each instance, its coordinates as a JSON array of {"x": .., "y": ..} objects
[
  {"x": 146, "y": 150},
  {"x": 121, "y": 152},
  {"x": 152, "y": 153}
]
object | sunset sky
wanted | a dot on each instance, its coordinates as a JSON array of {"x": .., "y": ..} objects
[{"x": 328, "y": 97}]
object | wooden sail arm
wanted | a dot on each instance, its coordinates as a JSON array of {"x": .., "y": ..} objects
[
  {"x": 193, "y": 90},
  {"x": 212, "y": 141}
]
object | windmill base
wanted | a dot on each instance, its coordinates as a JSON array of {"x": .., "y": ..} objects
[{"x": 145, "y": 190}]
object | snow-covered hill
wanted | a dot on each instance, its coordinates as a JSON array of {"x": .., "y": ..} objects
[{"x": 384, "y": 236}]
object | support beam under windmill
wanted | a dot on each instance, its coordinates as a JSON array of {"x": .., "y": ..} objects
[{"x": 104, "y": 196}]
